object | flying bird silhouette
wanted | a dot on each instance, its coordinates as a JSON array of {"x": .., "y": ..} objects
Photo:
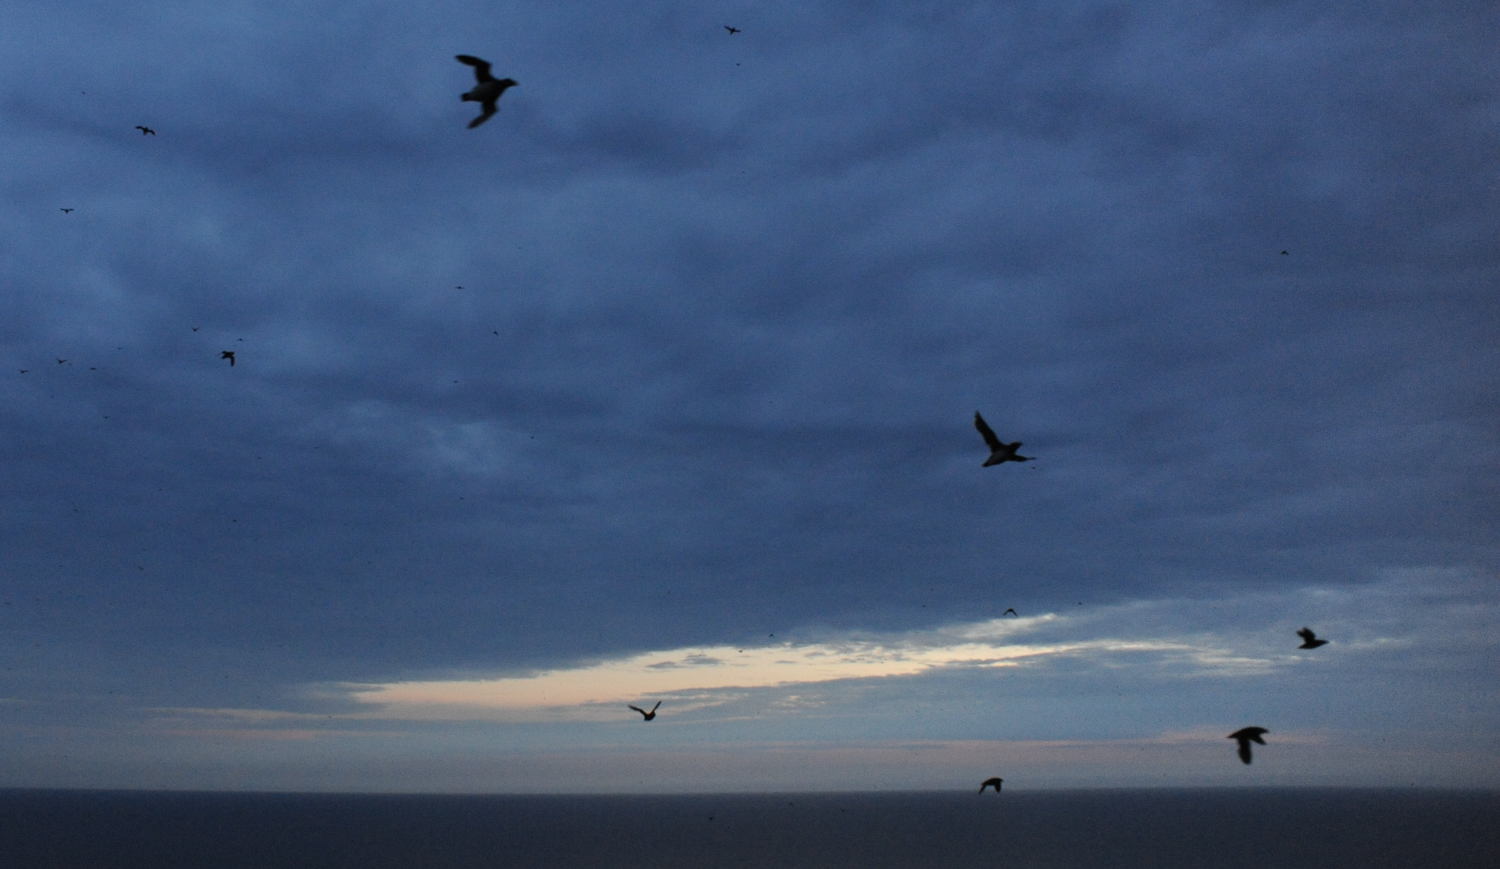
[
  {"x": 228, "y": 354},
  {"x": 1309, "y": 639},
  {"x": 67, "y": 211},
  {"x": 732, "y": 30},
  {"x": 999, "y": 452},
  {"x": 991, "y": 782},
  {"x": 1010, "y": 612},
  {"x": 488, "y": 89},
  {"x": 145, "y": 131},
  {"x": 1246, "y": 735},
  {"x": 648, "y": 715}
]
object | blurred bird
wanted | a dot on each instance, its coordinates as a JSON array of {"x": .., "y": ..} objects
[
  {"x": 1246, "y": 735},
  {"x": 67, "y": 211},
  {"x": 61, "y": 361},
  {"x": 1309, "y": 639},
  {"x": 991, "y": 782},
  {"x": 732, "y": 30},
  {"x": 488, "y": 89},
  {"x": 228, "y": 354},
  {"x": 1010, "y": 612},
  {"x": 145, "y": 131},
  {"x": 649, "y": 715},
  {"x": 999, "y": 452}
]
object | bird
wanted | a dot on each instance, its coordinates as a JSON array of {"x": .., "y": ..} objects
[
  {"x": 1010, "y": 612},
  {"x": 61, "y": 361},
  {"x": 1246, "y": 735},
  {"x": 228, "y": 354},
  {"x": 648, "y": 715},
  {"x": 732, "y": 30},
  {"x": 23, "y": 370},
  {"x": 196, "y": 328},
  {"x": 487, "y": 91},
  {"x": 1309, "y": 639},
  {"x": 145, "y": 131},
  {"x": 999, "y": 452},
  {"x": 1284, "y": 253},
  {"x": 67, "y": 211},
  {"x": 991, "y": 782}
]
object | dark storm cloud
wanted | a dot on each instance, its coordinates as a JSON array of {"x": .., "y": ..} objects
[{"x": 744, "y": 316}]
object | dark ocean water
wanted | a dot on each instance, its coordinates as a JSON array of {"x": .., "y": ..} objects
[{"x": 1326, "y": 829}]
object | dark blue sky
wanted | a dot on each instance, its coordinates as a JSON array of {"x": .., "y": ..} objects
[{"x": 681, "y": 349}]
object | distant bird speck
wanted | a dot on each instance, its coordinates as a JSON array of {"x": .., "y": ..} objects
[
  {"x": 488, "y": 89},
  {"x": 23, "y": 370},
  {"x": 1246, "y": 735},
  {"x": 228, "y": 354},
  {"x": 1011, "y": 611},
  {"x": 66, "y": 210},
  {"x": 1309, "y": 639},
  {"x": 648, "y": 715},
  {"x": 61, "y": 361},
  {"x": 999, "y": 452},
  {"x": 196, "y": 328},
  {"x": 992, "y": 782},
  {"x": 1284, "y": 253},
  {"x": 732, "y": 30},
  {"x": 145, "y": 131}
]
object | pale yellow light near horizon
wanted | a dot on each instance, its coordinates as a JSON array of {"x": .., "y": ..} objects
[{"x": 665, "y": 672}]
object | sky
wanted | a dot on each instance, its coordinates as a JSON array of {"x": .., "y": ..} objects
[{"x": 659, "y": 386}]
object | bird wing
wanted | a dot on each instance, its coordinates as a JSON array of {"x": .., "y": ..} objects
[
  {"x": 489, "y": 112},
  {"x": 1245, "y": 750},
  {"x": 657, "y": 706},
  {"x": 481, "y": 67},
  {"x": 986, "y": 432},
  {"x": 638, "y": 709},
  {"x": 1307, "y": 634}
]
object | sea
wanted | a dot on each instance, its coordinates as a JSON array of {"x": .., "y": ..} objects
[{"x": 1107, "y": 829}]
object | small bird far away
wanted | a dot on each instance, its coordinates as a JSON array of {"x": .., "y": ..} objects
[
  {"x": 67, "y": 211},
  {"x": 991, "y": 782},
  {"x": 1246, "y": 735},
  {"x": 228, "y": 354},
  {"x": 648, "y": 715},
  {"x": 1010, "y": 612},
  {"x": 732, "y": 30},
  {"x": 999, "y": 452},
  {"x": 145, "y": 131},
  {"x": 488, "y": 89},
  {"x": 61, "y": 361},
  {"x": 1309, "y": 639}
]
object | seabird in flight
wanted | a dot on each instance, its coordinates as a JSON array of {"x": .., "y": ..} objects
[
  {"x": 732, "y": 30},
  {"x": 991, "y": 782},
  {"x": 1246, "y": 735},
  {"x": 1010, "y": 612},
  {"x": 67, "y": 211},
  {"x": 649, "y": 715},
  {"x": 1309, "y": 639},
  {"x": 487, "y": 91},
  {"x": 228, "y": 354},
  {"x": 145, "y": 131},
  {"x": 999, "y": 452}
]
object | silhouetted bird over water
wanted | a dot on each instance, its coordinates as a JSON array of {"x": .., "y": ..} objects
[
  {"x": 991, "y": 783},
  {"x": 999, "y": 452},
  {"x": 648, "y": 715},
  {"x": 1246, "y": 735},
  {"x": 487, "y": 91},
  {"x": 228, "y": 354},
  {"x": 1309, "y": 639},
  {"x": 145, "y": 131}
]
